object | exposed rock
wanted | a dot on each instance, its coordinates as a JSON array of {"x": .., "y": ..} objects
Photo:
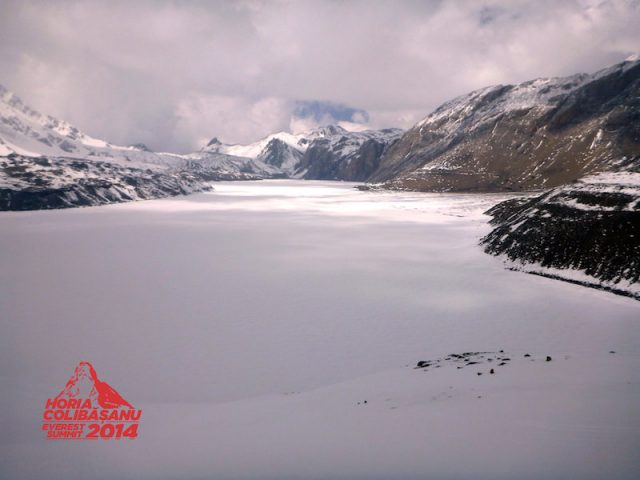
[
  {"x": 586, "y": 233},
  {"x": 326, "y": 153},
  {"x": 539, "y": 134},
  {"x": 44, "y": 183},
  {"x": 281, "y": 155},
  {"x": 343, "y": 155},
  {"x": 49, "y": 163}
]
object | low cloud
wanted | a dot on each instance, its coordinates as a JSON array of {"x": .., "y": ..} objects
[
  {"x": 308, "y": 115},
  {"x": 173, "y": 75},
  {"x": 231, "y": 119}
]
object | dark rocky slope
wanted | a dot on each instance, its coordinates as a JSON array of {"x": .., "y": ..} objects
[
  {"x": 587, "y": 233},
  {"x": 535, "y": 135},
  {"x": 280, "y": 154},
  {"x": 49, "y": 163},
  {"x": 343, "y": 155},
  {"x": 325, "y": 153},
  {"x": 31, "y": 183}
]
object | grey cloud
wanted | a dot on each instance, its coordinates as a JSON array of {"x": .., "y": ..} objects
[{"x": 173, "y": 74}]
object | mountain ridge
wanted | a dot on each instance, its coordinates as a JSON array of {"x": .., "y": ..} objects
[
  {"x": 329, "y": 152},
  {"x": 534, "y": 135},
  {"x": 531, "y": 136}
]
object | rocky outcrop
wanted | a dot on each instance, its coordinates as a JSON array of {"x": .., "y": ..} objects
[
  {"x": 342, "y": 155},
  {"x": 29, "y": 183},
  {"x": 587, "y": 232},
  {"x": 49, "y": 163},
  {"x": 326, "y": 153},
  {"x": 280, "y": 154}
]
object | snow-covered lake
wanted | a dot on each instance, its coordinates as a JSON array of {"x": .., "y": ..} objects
[{"x": 250, "y": 324}]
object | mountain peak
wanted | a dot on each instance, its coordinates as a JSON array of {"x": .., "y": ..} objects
[{"x": 330, "y": 130}]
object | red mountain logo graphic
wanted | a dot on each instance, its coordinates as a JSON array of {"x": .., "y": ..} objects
[
  {"x": 84, "y": 383},
  {"x": 89, "y": 409}
]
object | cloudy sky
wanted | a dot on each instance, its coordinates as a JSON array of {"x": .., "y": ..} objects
[{"x": 174, "y": 74}]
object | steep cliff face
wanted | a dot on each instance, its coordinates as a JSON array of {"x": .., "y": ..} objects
[
  {"x": 326, "y": 153},
  {"x": 587, "y": 232},
  {"x": 535, "y": 135},
  {"x": 342, "y": 155},
  {"x": 280, "y": 154}
]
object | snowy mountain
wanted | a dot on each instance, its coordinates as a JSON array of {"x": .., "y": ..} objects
[
  {"x": 587, "y": 232},
  {"x": 277, "y": 154},
  {"x": 49, "y": 163},
  {"x": 337, "y": 154},
  {"x": 282, "y": 155},
  {"x": 326, "y": 153},
  {"x": 538, "y": 134},
  {"x": 253, "y": 150},
  {"x": 26, "y": 132}
]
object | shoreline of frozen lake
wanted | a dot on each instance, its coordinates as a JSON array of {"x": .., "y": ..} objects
[{"x": 248, "y": 323}]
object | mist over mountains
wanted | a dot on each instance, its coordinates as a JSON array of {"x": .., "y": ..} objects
[{"x": 538, "y": 134}]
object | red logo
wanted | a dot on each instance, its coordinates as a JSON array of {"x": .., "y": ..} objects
[{"x": 88, "y": 409}]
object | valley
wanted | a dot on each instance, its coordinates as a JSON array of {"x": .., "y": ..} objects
[{"x": 297, "y": 311}]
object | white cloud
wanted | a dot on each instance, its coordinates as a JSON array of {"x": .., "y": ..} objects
[
  {"x": 233, "y": 119},
  {"x": 172, "y": 74}
]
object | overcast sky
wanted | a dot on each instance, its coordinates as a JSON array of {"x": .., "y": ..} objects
[{"x": 174, "y": 74}]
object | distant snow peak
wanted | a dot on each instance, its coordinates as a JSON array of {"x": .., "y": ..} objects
[
  {"x": 49, "y": 163},
  {"x": 323, "y": 153}
]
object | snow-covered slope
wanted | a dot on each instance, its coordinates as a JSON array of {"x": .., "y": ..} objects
[
  {"x": 539, "y": 134},
  {"x": 32, "y": 183},
  {"x": 253, "y": 150},
  {"x": 326, "y": 153},
  {"x": 587, "y": 232},
  {"x": 282, "y": 155},
  {"x": 337, "y": 154},
  {"x": 27, "y": 132},
  {"x": 75, "y": 163},
  {"x": 49, "y": 163}
]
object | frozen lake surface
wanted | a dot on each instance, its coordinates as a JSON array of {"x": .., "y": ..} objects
[{"x": 250, "y": 324}]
